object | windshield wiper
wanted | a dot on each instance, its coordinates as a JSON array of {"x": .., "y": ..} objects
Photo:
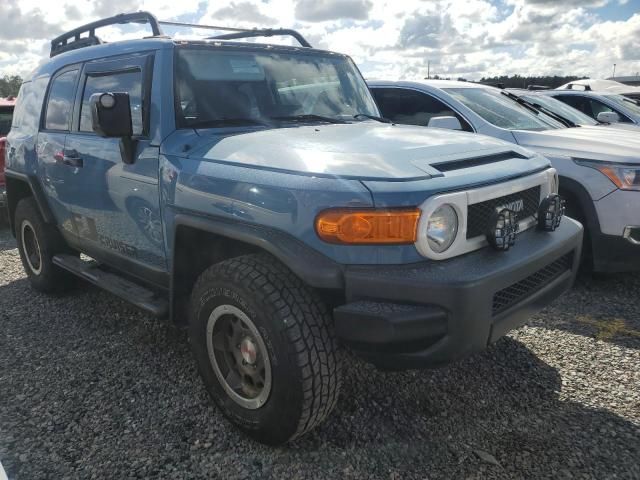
[
  {"x": 220, "y": 122},
  {"x": 307, "y": 117},
  {"x": 537, "y": 109},
  {"x": 372, "y": 117},
  {"x": 554, "y": 115}
]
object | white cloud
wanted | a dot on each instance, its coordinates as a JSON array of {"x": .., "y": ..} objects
[{"x": 387, "y": 38}]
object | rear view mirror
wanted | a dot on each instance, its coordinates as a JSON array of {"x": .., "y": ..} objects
[
  {"x": 111, "y": 114},
  {"x": 451, "y": 123},
  {"x": 608, "y": 117}
]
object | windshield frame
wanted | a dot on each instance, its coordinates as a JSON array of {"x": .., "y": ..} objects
[
  {"x": 247, "y": 48},
  {"x": 547, "y": 122}
]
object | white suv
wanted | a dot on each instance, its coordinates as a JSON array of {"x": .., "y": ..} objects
[
  {"x": 601, "y": 106},
  {"x": 599, "y": 168}
]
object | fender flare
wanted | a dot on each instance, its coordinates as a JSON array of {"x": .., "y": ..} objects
[
  {"x": 36, "y": 191},
  {"x": 311, "y": 266}
]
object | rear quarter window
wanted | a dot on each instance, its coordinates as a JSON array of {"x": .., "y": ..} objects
[{"x": 26, "y": 115}]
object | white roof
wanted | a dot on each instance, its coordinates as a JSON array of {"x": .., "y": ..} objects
[
  {"x": 602, "y": 86},
  {"x": 430, "y": 82}
]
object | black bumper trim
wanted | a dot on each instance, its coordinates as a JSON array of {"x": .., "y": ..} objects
[
  {"x": 463, "y": 288},
  {"x": 381, "y": 324}
]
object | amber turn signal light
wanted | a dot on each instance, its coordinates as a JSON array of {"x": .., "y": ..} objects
[{"x": 365, "y": 227}]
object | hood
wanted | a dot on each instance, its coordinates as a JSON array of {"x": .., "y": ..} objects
[
  {"x": 591, "y": 142},
  {"x": 365, "y": 150},
  {"x": 630, "y": 127}
]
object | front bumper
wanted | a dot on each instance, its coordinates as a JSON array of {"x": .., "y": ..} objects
[{"x": 432, "y": 313}]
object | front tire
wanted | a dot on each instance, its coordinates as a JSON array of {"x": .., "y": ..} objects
[
  {"x": 38, "y": 242},
  {"x": 265, "y": 347}
]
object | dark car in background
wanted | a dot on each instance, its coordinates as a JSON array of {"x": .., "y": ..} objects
[{"x": 6, "y": 115}]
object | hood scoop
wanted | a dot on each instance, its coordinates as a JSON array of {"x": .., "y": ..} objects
[{"x": 476, "y": 161}]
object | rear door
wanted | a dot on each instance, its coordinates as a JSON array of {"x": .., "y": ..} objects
[
  {"x": 58, "y": 174},
  {"x": 118, "y": 217}
]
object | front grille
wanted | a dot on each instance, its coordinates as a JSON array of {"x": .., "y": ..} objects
[
  {"x": 517, "y": 292},
  {"x": 479, "y": 215}
]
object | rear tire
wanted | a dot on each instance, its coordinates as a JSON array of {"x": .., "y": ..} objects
[
  {"x": 256, "y": 324},
  {"x": 38, "y": 242}
]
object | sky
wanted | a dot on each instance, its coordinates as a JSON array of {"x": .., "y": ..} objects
[{"x": 388, "y": 39}]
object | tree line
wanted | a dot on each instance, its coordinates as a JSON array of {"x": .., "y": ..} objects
[
  {"x": 9, "y": 85},
  {"x": 517, "y": 81}
]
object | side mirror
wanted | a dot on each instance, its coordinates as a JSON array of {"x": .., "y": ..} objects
[
  {"x": 608, "y": 117},
  {"x": 111, "y": 117},
  {"x": 111, "y": 114},
  {"x": 451, "y": 123}
]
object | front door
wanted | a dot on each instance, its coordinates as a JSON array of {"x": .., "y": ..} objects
[{"x": 118, "y": 216}]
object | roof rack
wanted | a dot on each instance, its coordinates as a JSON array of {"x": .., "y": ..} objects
[
  {"x": 73, "y": 39},
  {"x": 586, "y": 88},
  {"x": 61, "y": 44},
  {"x": 244, "y": 32}
]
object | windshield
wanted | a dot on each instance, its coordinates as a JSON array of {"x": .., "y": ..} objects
[
  {"x": 561, "y": 108},
  {"x": 6, "y": 113},
  {"x": 629, "y": 104},
  {"x": 222, "y": 87},
  {"x": 499, "y": 110}
]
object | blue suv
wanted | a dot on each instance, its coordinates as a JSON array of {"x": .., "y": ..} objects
[{"x": 252, "y": 193}]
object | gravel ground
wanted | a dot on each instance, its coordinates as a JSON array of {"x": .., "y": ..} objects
[{"x": 92, "y": 388}]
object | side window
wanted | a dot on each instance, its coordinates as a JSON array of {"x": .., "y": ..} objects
[
  {"x": 413, "y": 108},
  {"x": 60, "y": 101},
  {"x": 597, "y": 107},
  {"x": 576, "y": 102},
  {"x": 129, "y": 82}
]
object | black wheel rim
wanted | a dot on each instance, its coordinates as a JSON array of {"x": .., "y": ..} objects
[
  {"x": 239, "y": 356},
  {"x": 31, "y": 247}
]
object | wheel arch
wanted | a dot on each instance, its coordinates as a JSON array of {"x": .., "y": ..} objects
[
  {"x": 573, "y": 191},
  {"x": 20, "y": 186},
  {"x": 225, "y": 239}
]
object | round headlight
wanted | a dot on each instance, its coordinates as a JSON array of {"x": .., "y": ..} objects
[{"x": 442, "y": 228}]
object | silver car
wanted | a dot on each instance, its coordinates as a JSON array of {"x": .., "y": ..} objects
[
  {"x": 567, "y": 114},
  {"x": 599, "y": 167},
  {"x": 601, "y": 106}
]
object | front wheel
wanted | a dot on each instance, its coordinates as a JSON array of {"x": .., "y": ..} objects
[{"x": 265, "y": 347}]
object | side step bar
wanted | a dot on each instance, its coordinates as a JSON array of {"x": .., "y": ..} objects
[{"x": 122, "y": 287}]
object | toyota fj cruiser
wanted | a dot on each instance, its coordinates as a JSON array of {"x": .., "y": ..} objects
[{"x": 252, "y": 193}]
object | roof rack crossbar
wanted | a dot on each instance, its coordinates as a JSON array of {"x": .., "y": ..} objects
[
  {"x": 586, "y": 88},
  {"x": 62, "y": 43},
  {"x": 243, "y": 32},
  {"x": 206, "y": 27},
  {"x": 265, "y": 32}
]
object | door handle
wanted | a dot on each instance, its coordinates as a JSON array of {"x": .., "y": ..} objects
[
  {"x": 73, "y": 161},
  {"x": 70, "y": 158}
]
